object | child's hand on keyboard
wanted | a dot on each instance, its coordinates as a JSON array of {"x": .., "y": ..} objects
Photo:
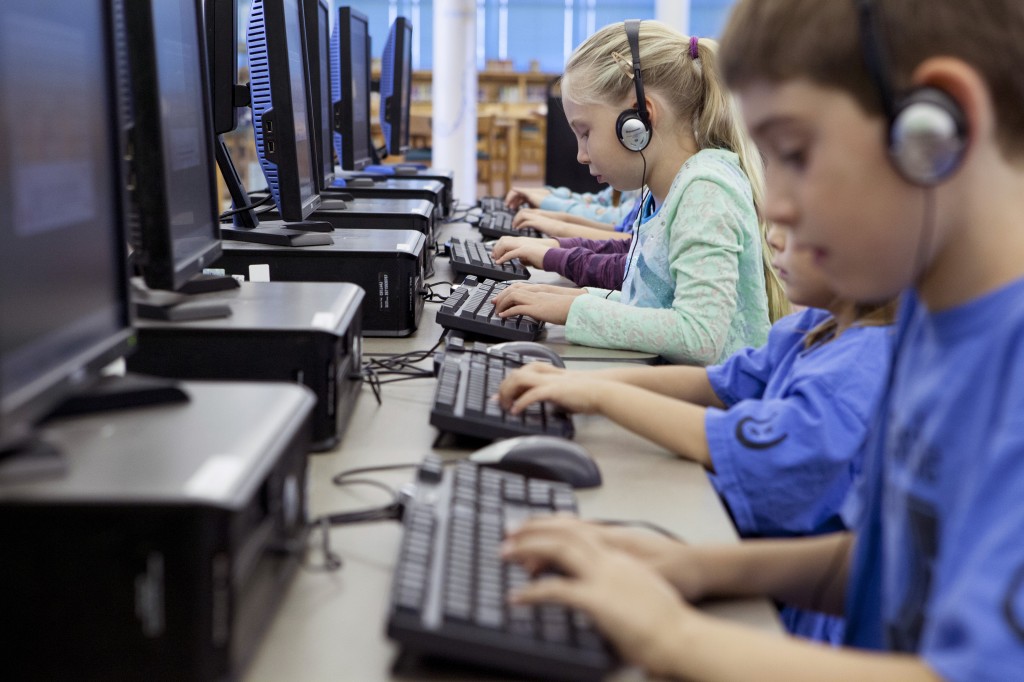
[
  {"x": 531, "y": 301},
  {"x": 539, "y": 220},
  {"x": 528, "y": 250},
  {"x": 635, "y": 607},
  {"x": 574, "y": 391}
]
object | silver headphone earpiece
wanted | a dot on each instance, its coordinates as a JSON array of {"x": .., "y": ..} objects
[
  {"x": 926, "y": 140},
  {"x": 633, "y": 133}
]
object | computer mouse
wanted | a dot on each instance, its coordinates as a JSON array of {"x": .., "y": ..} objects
[
  {"x": 532, "y": 348},
  {"x": 550, "y": 457}
]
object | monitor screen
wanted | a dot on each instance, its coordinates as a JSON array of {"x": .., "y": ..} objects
[
  {"x": 351, "y": 54},
  {"x": 63, "y": 297},
  {"x": 175, "y": 192},
  {"x": 318, "y": 48},
  {"x": 396, "y": 87},
  {"x": 281, "y": 119}
]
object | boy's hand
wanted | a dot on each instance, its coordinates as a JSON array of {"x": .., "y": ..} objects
[
  {"x": 629, "y": 602},
  {"x": 574, "y": 391},
  {"x": 531, "y": 196},
  {"x": 528, "y": 300},
  {"x": 529, "y": 251}
]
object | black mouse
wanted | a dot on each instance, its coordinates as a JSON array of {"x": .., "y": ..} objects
[
  {"x": 547, "y": 457},
  {"x": 532, "y": 348}
]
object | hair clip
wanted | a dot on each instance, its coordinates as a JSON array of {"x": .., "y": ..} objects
[
  {"x": 693, "y": 47},
  {"x": 626, "y": 64}
]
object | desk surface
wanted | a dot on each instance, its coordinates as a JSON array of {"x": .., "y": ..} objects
[{"x": 330, "y": 626}]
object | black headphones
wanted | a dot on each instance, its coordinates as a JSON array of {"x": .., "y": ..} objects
[
  {"x": 633, "y": 126},
  {"x": 927, "y": 132}
]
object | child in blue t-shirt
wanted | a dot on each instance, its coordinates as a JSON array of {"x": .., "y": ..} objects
[
  {"x": 782, "y": 427},
  {"x": 894, "y": 139}
]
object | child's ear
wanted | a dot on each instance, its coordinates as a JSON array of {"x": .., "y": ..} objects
[{"x": 968, "y": 91}]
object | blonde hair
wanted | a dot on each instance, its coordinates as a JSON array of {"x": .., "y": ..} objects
[
  {"x": 867, "y": 315},
  {"x": 599, "y": 72}
]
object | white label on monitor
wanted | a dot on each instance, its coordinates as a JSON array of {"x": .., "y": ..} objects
[
  {"x": 404, "y": 247},
  {"x": 259, "y": 272},
  {"x": 216, "y": 478},
  {"x": 324, "y": 321}
]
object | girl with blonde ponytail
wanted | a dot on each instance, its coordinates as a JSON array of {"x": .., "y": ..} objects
[{"x": 697, "y": 284}]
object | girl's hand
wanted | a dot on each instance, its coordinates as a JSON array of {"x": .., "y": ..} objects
[
  {"x": 540, "y": 305},
  {"x": 529, "y": 251},
  {"x": 630, "y": 603},
  {"x": 531, "y": 196},
  {"x": 536, "y": 218}
]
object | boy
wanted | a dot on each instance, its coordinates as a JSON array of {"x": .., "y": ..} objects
[{"x": 934, "y": 581}]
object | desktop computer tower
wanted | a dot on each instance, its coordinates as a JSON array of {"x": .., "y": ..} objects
[
  {"x": 359, "y": 185},
  {"x": 165, "y": 549},
  {"x": 388, "y": 264},
  {"x": 371, "y": 213},
  {"x": 304, "y": 332},
  {"x": 409, "y": 170}
]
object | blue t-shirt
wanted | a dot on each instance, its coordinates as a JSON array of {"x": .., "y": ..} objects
[
  {"x": 939, "y": 562},
  {"x": 790, "y": 443}
]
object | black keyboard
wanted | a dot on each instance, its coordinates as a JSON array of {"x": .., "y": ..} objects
[
  {"x": 498, "y": 224},
  {"x": 469, "y": 309},
  {"x": 473, "y": 258},
  {"x": 448, "y": 597},
  {"x": 464, "y": 404}
]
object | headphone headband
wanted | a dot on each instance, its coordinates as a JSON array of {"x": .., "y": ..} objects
[
  {"x": 926, "y": 135},
  {"x": 633, "y": 38},
  {"x": 633, "y": 126}
]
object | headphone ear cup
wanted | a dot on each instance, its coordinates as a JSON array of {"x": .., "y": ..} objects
[
  {"x": 631, "y": 130},
  {"x": 927, "y": 136}
]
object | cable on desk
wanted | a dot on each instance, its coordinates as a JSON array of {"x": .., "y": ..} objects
[
  {"x": 455, "y": 216},
  {"x": 430, "y": 296},
  {"x": 391, "y": 511},
  {"x": 400, "y": 366}
]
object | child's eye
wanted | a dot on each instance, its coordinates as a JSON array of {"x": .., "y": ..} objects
[{"x": 795, "y": 158}]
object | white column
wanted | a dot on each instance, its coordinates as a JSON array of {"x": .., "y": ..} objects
[
  {"x": 454, "y": 93},
  {"x": 675, "y": 13}
]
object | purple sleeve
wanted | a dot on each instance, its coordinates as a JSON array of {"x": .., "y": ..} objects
[
  {"x": 596, "y": 245},
  {"x": 586, "y": 268}
]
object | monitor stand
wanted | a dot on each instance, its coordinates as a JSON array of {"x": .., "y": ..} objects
[
  {"x": 248, "y": 228},
  {"x": 29, "y": 460},
  {"x": 121, "y": 392},
  {"x": 177, "y": 306}
]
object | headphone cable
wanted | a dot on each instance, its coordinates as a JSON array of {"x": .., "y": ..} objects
[{"x": 645, "y": 193}]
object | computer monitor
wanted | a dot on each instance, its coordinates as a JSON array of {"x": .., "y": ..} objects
[
  {"x": 178, "y": 234},
  {"x": 318, "y": 48},
  {"x": 396, "y": 87},
  {"x": 63, "y": 291},
  {"x": 350, "y": 74},
  {"x": 281, "y": 120},
  {"x": 227, "y": 96}
]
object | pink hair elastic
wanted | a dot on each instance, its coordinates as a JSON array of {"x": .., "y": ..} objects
[{"x": 693, "y": 47}]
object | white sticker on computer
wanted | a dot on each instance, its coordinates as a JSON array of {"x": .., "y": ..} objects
[{"x": 259, "y": 272}]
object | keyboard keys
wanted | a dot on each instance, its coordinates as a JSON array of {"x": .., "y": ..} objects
[
  {"x": 469, "y": 308},
  {"x": 465, "y": 403},
  {"x": 473, "y": 258},
  {"x": 450, "y": 591}
]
